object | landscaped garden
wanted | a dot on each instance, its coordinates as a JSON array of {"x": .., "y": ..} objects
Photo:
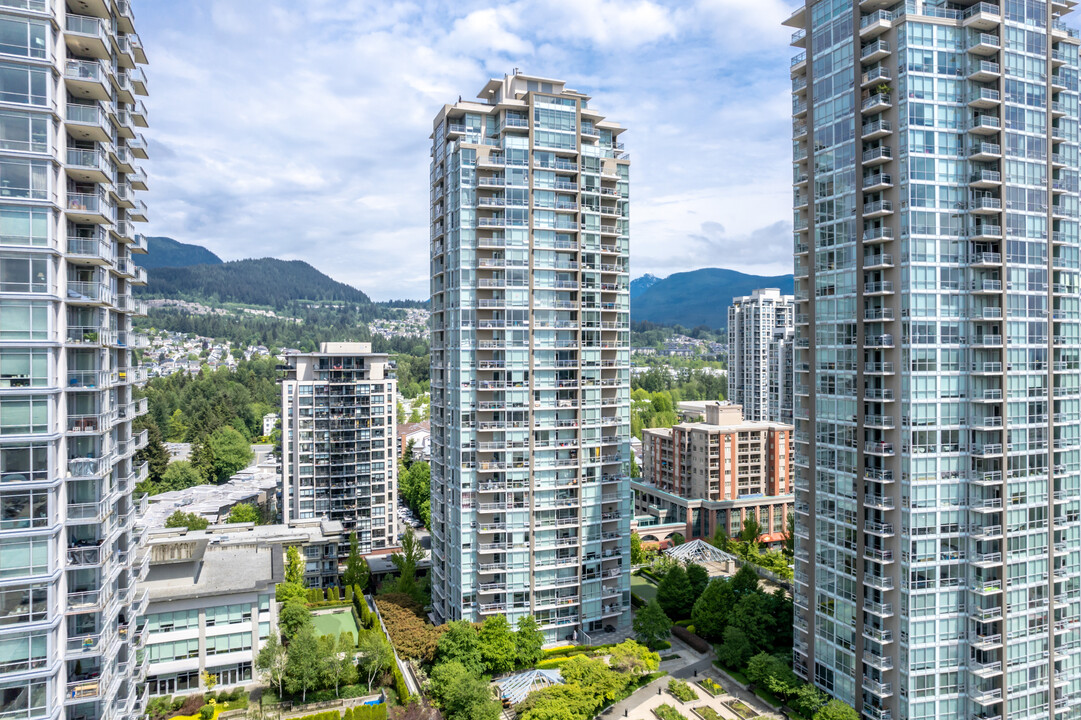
[{"x": 335, "y": 622}]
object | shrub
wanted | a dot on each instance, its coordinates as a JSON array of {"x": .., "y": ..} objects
[
  {"x": 691, "y": 639},
  {"x": 681, "y": 690},
  {"x": 711, "y": 687},
  {"x": 667, "y": 712},
  {"x": 206, "y": 712},
  {"x": 637, "y": 602},
  {"x": 410, "y": 633},
  {"x": 400, "y": 687}
]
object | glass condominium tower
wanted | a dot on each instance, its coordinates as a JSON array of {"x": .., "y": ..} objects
[
  {"x": 531, "y": 502},
  {"x": 938, "y": 540},
  {"x": 70, "y": 647}
]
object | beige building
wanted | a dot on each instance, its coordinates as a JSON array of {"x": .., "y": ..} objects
[
  {"x": 339, "y": 455},
  {"x": 716, "y": 473}
]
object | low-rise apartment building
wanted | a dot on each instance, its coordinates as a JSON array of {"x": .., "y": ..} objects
[
  {"x": 716, "y": 473},
  {"x": 211, "y": 607}
]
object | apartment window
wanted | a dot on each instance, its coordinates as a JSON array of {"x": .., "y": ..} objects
[
  {"x": 24, "y": 320},
  {"x": 170, "y": 621},
  {"x": 24, "y": 368},
  {"x": 178, "y": 650},
  {"x": 25, "y": 38},
  {"x": 24, "y": 464},
  {"x": 23, "y": 652},
  {"x": 22, "y": 274},
  {"x": 24, "y": 699},
  {"x": 21, "y": 415},
  {"x": 24, "y": 179},
  {"x": 24, "y": 85},
  {"x": 228, "y": 643},
  {"x": 24, "y": 132},
  {"x": 228, "y": 614},
  {"x": 23, "y": 556},
  {"x": 23, "y": 604},
  {"x": 24, "y": 226},
  {"x": 22, "y": 510}
]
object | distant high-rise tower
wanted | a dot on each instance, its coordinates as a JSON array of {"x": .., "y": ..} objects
[
  {"x": 760, "y": 374},
  {"x": 339, "y": 449},
  {"x": 530, "y": 360},
  {"x": 69, "y": 600},
  {"x": 938, "y": 368}
]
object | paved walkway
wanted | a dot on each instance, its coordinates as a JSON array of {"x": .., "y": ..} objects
[{"x": 692, "y": 666}]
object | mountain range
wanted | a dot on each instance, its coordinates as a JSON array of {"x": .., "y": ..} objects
[
  {"x": 192, "y": 272},
  {"x": 697, "y": 297}
]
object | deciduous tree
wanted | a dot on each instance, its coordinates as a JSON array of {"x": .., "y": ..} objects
[
  {"x": 303, "y": 670},
  {"x": 675, "y": 594},
  {"x": 497, "y": 648},
  {"x": 529, "y": 641},
  {"x": 651, "y": 625}
]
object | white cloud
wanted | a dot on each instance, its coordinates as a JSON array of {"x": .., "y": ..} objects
[{"x": 300, "y": 130}]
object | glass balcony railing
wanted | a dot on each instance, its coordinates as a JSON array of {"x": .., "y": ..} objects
[
  {"x": 83, "y": 25},
  {"x": 85, "y": 70}
]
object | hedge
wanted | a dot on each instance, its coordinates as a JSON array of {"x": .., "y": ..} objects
[
  {"x": 360, "y": 712},
  {"x": 637, "y": 602},
  {"x": 400, "y": 687},
  {"x": 691, "y": 639}
]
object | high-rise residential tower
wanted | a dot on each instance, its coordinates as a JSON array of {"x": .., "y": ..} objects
[
  {"x": 69, "y": 600},
  {"x": 530, "y": 360},
  {"x": 760, "y": 336},
  {"x": 938, "y": 498},
  {"x": 339, "y": 450}
]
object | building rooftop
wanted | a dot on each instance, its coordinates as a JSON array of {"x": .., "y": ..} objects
[
  {"x": 253, "y": 484},
  {"x": 189, "y": 567}
]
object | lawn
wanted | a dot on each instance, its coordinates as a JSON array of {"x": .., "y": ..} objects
[
  {"x": 335, "y": 623},
  {"x": 643, "y": 588}
]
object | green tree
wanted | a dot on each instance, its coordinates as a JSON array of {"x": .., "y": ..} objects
[
  {"x": 356, "y": 568},
  {"x": 243, "y": 513},
  {"x": 836, "y": 710},
  {"x": 461, "y": 694},
  {"x": 154, "y": 454},
  {"x": 191, "y": 521},
  {"x": 633, "y": 658},
  {"x": 529, "y": 641},
  {"x": 230, "y": 450},
  {"x": 558, "y": 702},
  {"x": 651, "y": 625},
  {"x": 808, "y": 699},
  {"x": 637, "y": 556},
  {"x": 303, "y": 670},
  {"x": 406, "y": 562},
  {"x": 179, "y": 475},
  {"x": 753, "y": 615},
  {"x": 720, "y": 539},
  {"x": 712, "y": 609},
  {"x": 293, "y": 619},
  {"x": 790, "y": 535},
  {"x": 271, "y": 662},
  {"x": 294, "y": 566},
  {"x": 636, "y": 472},
  {"x": 677, "y": 539},
  {"x": 735, "y": 650},
  {"x": 338, "y": 661},
  {"x": 595, "y": 677},
  {"x": 202, "y": 461},
  {"x": 177, "y": 430},
  {"x": 375, "y": 655},
  {"x": 745, "y": 581},
  {"x": 752, "y": 530},
  {"x": 460, "y": 644},
  {"x": 698, "y": 577},
  {"x": 497, "y": 647},
  {"x": 675, "y": 594}
]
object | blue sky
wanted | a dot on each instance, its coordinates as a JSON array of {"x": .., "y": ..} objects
[{"x": 299, "y": 128}]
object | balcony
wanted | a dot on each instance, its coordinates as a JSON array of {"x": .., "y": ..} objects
[
  {"x": 985, "y": 98},
  {"x": 877, "y": 182},
  {"x": 88, "y": 166},
  {"x": 985, "y": 152},
  {"x": 88, "y": 208},
  {"x": 985, "y": 179},
  {"x": 90, "y": 250},
  {"x": 984, "y": 71},
  {"x": 985, "y": 125},
  {"x": 985, "y": 44},
  {"x": 879, "y": 102},
  {"x": 87, "y": 122},
  {"x": 982, "y": 16},
  {"x": 89, "y": 293},
  {"x": 878, "y": 50},
  {"x": 877, "y": 209},
  {"x": 877, "y": 155},
  {"x": 88, "y": 79},
  {"x": 877, "y": 235},
  {"x": 875, "y": 24},
  {"x": 986, "y": 204},
  {"x": 875, "y": 130},
  {"x": 87, "y": 37}
]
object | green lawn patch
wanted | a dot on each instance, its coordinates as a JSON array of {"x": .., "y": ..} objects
[
  {"x": 643, "y": 588},
  {"x": 335, "y": 623}
]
